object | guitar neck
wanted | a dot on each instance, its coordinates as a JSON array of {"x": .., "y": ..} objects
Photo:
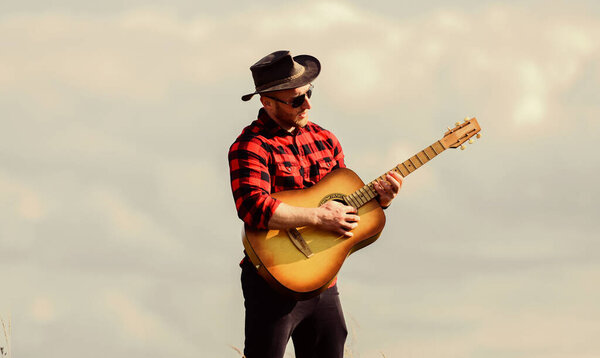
[{"x": 368, "y": 192}]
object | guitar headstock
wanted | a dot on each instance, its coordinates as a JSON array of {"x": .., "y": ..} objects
[{"x": 462, "y": 132}]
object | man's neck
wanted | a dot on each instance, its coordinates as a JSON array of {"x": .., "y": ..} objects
[{"x": 286, "y": 127}]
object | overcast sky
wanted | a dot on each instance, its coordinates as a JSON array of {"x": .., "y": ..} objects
[{"x": 118, "y": 233}]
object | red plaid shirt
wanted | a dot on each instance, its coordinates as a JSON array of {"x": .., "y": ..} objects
[{"x": 266, "y": 159}]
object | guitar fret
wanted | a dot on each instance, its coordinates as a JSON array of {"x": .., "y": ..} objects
[
  {"x": 356, "y": 203},
  {"x": 350, "y": 200},
  {"x": 365, "y": 194},
  {"x": 400, "y": 170},
  {"x": 359, "y": 198},
  {"x": 413, "y": 163},
  {"x": 427, "y": 155},
  {"x": 430, "y": 155},
  {"x": 440, "y": 147},
  {"x": 373, "y": 194},
  {"x": 419, "y": 159},
  {"x": 424, "y": 159},
  {"x": 370, "y": 189}
]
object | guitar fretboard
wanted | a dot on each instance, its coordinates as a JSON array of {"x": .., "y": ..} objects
[{"x": 368, "y": 193}]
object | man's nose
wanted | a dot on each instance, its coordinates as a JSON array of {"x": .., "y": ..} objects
[{"x": 306, "y": 104}]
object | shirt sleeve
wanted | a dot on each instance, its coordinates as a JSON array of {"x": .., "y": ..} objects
[
  {"x": 338, "y": 153},
  {"x": 251, "y": 182}
]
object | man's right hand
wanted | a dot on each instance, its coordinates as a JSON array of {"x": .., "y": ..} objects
[{"x": 337, "y": 217}]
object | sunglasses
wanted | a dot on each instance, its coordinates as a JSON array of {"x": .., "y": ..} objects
[{"x": 296, "y": 101}]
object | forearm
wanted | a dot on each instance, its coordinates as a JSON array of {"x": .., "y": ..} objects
[
  {"x": 331, "y": 216},
  {"x": 287, "y": 216}
]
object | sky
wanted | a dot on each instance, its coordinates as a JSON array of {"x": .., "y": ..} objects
[{"x": 118, "y": 233}]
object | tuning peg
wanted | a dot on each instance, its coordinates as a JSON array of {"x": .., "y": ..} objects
[
  {"x": 471, "y": 141},
  {"x": 467, "y": 119},
  {"x": 478, "y": 135},
  {"x": 462, "y": 147},
  {"x": 457, "y": 124},
  {"x": 449, "y": 128}
]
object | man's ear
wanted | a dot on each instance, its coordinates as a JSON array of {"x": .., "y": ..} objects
[{"x": 266, "y": 102}]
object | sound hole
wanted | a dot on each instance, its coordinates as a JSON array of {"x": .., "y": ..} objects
[
  {"x": 341, "y": 201},
  {"x": 340, "y": 198}
]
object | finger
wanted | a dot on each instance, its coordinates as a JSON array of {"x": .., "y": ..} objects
[
  {"x": 352, "y": 218},
  {"x": 387, "y": 183},
  {"x": 391, "y": 185},
  {"x": 383, "y": 196},
  {"x": 394, "y": 182},
  {"x": 347, "y": 234},
  {"x": 346, "y": 231},
  {"x": 395, "y": 175},
  {"x": 381, "y": 187},
  {"x": 343, "y": 231},
  {"x": 349, "y": 226},
  {"x": 351, "y": 209}
]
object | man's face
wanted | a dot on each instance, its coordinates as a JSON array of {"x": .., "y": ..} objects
[{"x": 285, "y": 115}]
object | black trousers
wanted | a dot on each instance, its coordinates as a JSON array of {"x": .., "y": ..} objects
[{"x": 316, "y": 326}]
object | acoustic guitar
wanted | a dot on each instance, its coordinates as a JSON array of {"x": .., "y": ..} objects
[{"x": 302, "y": 262}]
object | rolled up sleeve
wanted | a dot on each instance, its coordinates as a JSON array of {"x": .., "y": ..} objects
[{"x": 251, "y": 182}]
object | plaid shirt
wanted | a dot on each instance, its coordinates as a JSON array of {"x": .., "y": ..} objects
[{"x": 266, "y": 159}]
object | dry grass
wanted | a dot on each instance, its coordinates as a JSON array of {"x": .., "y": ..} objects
[
  {"x": 348, "y": 349},
  {"x": 5, "y": 348},
  {"x": 239, "y": 351},
  {"x": 347, "y": 352}
]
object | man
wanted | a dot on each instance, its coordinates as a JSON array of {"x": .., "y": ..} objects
[{"x": 283, "y": 150}]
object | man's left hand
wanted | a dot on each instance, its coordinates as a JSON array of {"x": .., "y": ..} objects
[{"x": 388, "y": 188}]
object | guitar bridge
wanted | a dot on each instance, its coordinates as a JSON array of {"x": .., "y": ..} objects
[{"x": 299, "y": 242}]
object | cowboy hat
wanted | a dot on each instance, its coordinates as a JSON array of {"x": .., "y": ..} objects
[{"x": 279, "y": 71}]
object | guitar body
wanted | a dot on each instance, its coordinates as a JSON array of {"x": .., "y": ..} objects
[{"x": 285, "y": 267}]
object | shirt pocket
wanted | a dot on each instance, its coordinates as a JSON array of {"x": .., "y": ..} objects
[
  {"x": 323, "y": 167},
  {"x": 287, "y": 176}
]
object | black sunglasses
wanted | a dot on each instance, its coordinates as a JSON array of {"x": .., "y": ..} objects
[{"x": 296, "y": 101}]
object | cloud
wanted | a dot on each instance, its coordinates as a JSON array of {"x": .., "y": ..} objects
[
  {"x": 370, "y": 60},
  {"x": 43, "y": 309},
  {"x": 133, "y": 320},
  {"x": 536, "y": 312},
  {"x": 114, "y": 125},
  {"x": 136, "y": 54},
  {"x": 23, "y": 201}
]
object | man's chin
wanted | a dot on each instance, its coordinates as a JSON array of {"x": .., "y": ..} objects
[
  {"x": 301, "y": 122},
  {"x": 302, "y": 119}
]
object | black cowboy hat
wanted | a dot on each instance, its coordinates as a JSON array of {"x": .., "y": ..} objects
[{"x": 279, "y": 71}]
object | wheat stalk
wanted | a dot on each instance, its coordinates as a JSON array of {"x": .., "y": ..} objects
[
  {"x": 237, "y": 350},
  {"x": 7, "y": 333}
]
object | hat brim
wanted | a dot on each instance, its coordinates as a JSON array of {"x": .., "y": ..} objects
[{"x": 312, "y": 68}]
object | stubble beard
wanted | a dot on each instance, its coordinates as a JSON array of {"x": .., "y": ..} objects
[{"x": 293, "y": 119}]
